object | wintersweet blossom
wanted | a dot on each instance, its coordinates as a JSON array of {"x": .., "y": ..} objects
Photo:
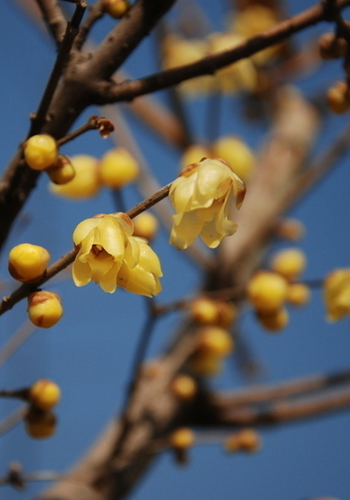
[
  {"x": 201, "y": 196},
  {"x": 103, "y": 242},
  {"x": 337, "y": 294},
  {"x": 143, "y": 278}
]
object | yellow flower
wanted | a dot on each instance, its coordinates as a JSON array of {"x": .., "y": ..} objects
[
  {"x": 337, "y": 294},
  {"x": 103, "y": 243},
  {"x": 142, "y": 278},
  {"x": 201, "y": 197}
]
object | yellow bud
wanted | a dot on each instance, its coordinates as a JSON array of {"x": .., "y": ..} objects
[
  {"x": 145, "y": 225},
  {"x": 44, "y": 309},
  {"x": 40, "y": 151},
  {"x": 206, "y": 364},
  {"x": 215, "y": 341},
  {"x": 62, "y": 172},
  {"x": 298, "y": 294},
  {"x": 332, "y": 47},
  {"x": 86, "y": 182},
  {"x": 267, "y": 291},
  {"x": 237, "y": 154},
  {"x": 27, "y": 263},
  {"x": 40, "y": 424},
  {"x": 118, "y": 168},
  {"x": 44, "y": 394},
  {"x": 275, "y": 320},
  {"x": 338, "y": 97},
  {"x": 184, "y": 387},
  {"x": 116, "y": 8},
  {"x": 290, "y": 229},
  {"x": 247, "y": 440},
  {"x": 194, "y": 154},
  {"x": 203, "y": 311},
  {"x": 183, "y": 438},
  {"x": 290, "y": 263}
]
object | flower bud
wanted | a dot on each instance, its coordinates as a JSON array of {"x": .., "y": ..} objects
[
  {"x": 298, "y": 294},
  {"x": 290, "y": 229},
  {"x": 215, "y": 341},
  {"x": 86, "y": 182},
  {"x": 184, "y": 387},
  {"x": 44, "y": 394},
  {"x": 116, "y": 8},
  {"x": 194, "y": 154},
  {"x": 275, "y": 320},
  {"x": 267, "y": 291},
  {"x": 118, "y": 168},
  {"x": 40, "y": 151},
  {"x": 332, "y": 47},
  {"x": 290, "y": 263},
  {"x": 247, "y": 440},
  {"x": 206, "y": 364},
  {"x": 338, "y": 97},
  {"x": 62, "y": 172},
  {"x": 40, "y": 424},
  {"x": 183, "y": 438},
  {"x": 27, "y": 263},
  {"x": 237, "y": 154},
  {"x": 145, "y": 226},
  {"x": 44, "y": 309}
]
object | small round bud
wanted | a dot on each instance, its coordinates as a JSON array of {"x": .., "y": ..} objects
[
  {"x": 27, "y": 263},
  {"x": 40, "y": 424},
  {"x": 215, "y": 341},
  {"x": 332, "y": 47},
  {"x": 237, "y": 154},
  {"x": 247, "y": 440},
  {"x": 44, "y": 309},
  {"x": 275, "y": 320},
  {"x": 184, "y": 387},
  {"x": 338, "y": 97},
  {"x": 206, "y": 364},
  {"x": 86, "y": 182},
  {"x": 40, "y": 151},
  {"x": 298, "y": 294},
  {"x": 62, "y": 172},
  {"x": 194, "y": 154},
  {"x": 44, "y": 394},
  {"x": 183, "y": 438},
  {"x": 118, "y": 168},
  {"x": 290, "y": 229},
  {"x": 267, "y": 291},
  {"x": 290, "y": 263},
  {"x": 145, "y": 225},
  {"x": 212, "y": 312},
  {"x": 116, "y": 8}
]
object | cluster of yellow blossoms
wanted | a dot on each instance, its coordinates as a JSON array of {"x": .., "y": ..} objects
[
  {"x": 242, "y": 75},
  {"x": 110, "y": 255},
  {"x": 202, "y": 197}
]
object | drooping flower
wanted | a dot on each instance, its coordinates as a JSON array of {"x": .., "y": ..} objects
[
  {"x": 201, "y": 197},
  {"x": 337, "y": 294},
  {"x": 103, "y": 243},
  {"x": 143, "y": 278}
]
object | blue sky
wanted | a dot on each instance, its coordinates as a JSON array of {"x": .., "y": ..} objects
[{"x": 89, "y": 352}]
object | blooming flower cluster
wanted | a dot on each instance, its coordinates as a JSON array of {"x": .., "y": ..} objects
[
  {"x": 201, "y": 197},
  {"x": 110, "y": 255}
]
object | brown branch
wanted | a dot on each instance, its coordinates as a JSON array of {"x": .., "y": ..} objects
[
  {"x": 54, "y": 18},
  {"x": 110, "y": 93},
  {"x": 277, "y": 412}
]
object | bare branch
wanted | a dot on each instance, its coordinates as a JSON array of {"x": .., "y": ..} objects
[
  {"x": 54, "y": 18},
  {"x": 129, "y": 90}
]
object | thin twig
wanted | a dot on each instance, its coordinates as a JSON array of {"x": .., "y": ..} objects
[
  {"x": 54, "y": 18},
  {"x": 62, "y": 58}
]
